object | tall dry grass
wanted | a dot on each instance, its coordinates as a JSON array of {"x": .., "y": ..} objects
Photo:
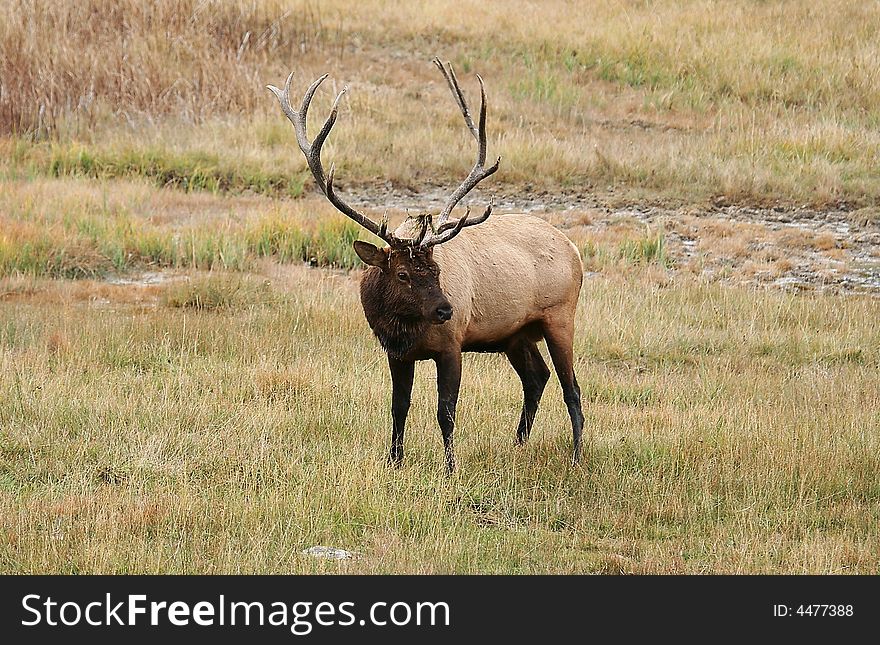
[
  {"x": 667, "y": 101},
  {"x": 190, "y": 59},
  {"x": 730, "y": 431}
]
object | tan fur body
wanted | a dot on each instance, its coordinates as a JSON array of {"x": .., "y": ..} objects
[{"x": 509, "y": 272}]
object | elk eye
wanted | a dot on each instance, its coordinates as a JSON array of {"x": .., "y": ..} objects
[{"x": 403, "y": 277}]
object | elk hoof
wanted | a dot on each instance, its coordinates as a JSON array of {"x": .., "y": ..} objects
[{"x": 395, "y": 461}]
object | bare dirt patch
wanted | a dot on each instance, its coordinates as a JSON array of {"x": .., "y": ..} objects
[{"x": 789, "y": 248}]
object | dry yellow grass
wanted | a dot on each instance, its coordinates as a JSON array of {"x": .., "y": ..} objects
[
  {"x": 730, "y": 431},
  {"x": 671, "y": 101}
]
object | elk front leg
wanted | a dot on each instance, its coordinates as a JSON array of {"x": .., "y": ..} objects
[
  {"x": 448, "y": 383},
  {"x": 402, "y": 384}
]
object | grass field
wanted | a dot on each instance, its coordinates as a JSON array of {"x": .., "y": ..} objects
[
  {"x": 731, "y": 431},
  {"x": 772, "y": 102},
  {"x": 187, "y": 381}
]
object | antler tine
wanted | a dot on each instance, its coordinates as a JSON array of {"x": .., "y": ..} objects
[
  {"x": 312, "y": 151},
  {"x": 298, "y": 119},
  {"x": 481, "y": 139},
  {"x": 284, "y": 97},
  {"x": 450, "y": 229},
  {"x": 307, "y": 97},
  {"x": 313, "y": 154},
  {"x": 479, "y": 171},
  {"x": 383, "y": 226},
  {"x": 424, "y": 226},
  {"x": 452, "y": 82}
]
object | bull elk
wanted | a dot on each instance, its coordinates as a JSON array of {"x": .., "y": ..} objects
[{"x": 445, "y": 286}]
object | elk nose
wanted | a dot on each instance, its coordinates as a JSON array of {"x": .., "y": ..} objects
[{"x": 444, "y": 313}]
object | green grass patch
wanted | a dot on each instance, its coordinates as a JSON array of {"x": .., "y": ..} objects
[
  {"x": 648, "y": 250},
  {"x": 188, "y": 171},
  {"x": 641, "y": 251},
  {"x": 634, "y": 396},
  {"x": 88, "y": 246}
]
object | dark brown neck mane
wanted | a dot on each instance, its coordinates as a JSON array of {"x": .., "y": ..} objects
[{"x": 397, "y": 333}]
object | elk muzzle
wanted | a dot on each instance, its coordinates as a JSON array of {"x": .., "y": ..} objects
[
  {"x": 440, "y": 311},
  {"x": 443, "y": 313}
]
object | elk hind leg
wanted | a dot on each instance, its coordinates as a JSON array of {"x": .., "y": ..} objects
[
  {"x": 560, "y": 341},
  {"x": 526, "y": 359}
]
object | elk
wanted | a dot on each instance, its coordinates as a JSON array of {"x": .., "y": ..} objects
[{"x": 469, "y": 284}]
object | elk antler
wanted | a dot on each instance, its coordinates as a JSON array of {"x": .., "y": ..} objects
[
  {"x": 312, "y": 152},
  {"x": 427, "y": 235},
  {"x": 447, "y": 229}
]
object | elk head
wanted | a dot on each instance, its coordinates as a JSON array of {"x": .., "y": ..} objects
[
  {"x": 410, "y": 282},
  {"x": 406, "y": 277}
]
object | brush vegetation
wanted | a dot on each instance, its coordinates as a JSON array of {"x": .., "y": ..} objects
[{"x": 187, "y": 172}]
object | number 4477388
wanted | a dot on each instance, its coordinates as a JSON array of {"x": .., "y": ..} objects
[{"x": 824, "y": 610}]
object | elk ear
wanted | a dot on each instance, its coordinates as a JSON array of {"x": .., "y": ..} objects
[{"x": 371, "y": 255}]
